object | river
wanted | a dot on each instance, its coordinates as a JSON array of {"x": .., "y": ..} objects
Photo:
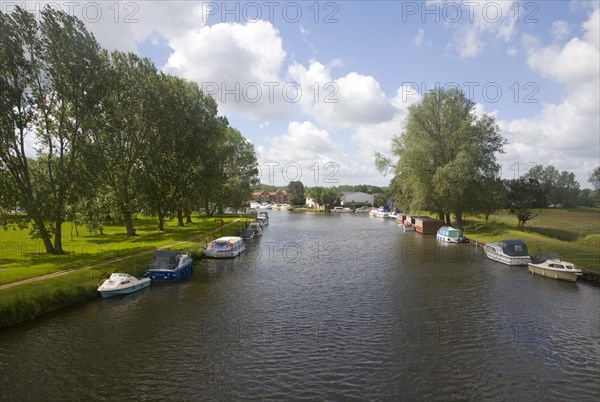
[{"x": 322, "y": 307}]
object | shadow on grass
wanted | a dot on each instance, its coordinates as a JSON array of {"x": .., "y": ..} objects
[{"x": 560, "y": 234}]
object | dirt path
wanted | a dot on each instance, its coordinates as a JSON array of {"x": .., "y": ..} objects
[{"x": 113, "y": 260}]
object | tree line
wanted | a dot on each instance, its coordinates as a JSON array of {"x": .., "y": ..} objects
[
  {"x": 446, "y": 164},
  {"x": 112, "y": 135}
]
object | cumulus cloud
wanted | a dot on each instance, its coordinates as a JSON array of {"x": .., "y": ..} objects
[
  {"x": 340, "y": 102},
  {"x": 481, "y": 22},
  {"x": 564, "y": 134},
  {"x": 238, "y": 64}
]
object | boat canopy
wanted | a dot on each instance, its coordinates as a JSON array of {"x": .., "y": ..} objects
[
  {"x": 545, "y": 256},
  {"x": 514, "y": 248},
  {"x": 165, "y": 260}
]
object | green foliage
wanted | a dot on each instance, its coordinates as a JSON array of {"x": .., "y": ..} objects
[
  {"x": 560, "y": 188},
  {"x": 595, "y": 178},
  {"x": 113, "y": 135},
  {"x": 524, "y": 195},
  {"x": 296, "y": 193},
  {"x": 445, "y": 155}
]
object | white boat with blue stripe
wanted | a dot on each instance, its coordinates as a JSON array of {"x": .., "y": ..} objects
[
  {"x": 122, "y": 284},
  {"x": 225, "y": 247}
]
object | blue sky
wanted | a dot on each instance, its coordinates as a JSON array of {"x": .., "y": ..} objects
[{"x": 359, "y": 65}]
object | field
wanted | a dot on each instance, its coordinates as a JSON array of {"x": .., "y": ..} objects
[{"x": 572, "y": 233}]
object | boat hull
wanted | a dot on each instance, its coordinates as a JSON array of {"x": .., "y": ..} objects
[
  {"x": 506, "y": 259},
  {"x": 553, "y": 273},
  {"x": 167, "y": 275},
  {"x": 225, "y": 253},
  {"x": 450, "y": 239},
  {"x": 142, "y": 283}
]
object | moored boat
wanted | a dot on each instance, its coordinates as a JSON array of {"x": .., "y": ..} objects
[
  {"x": 407, "y": 226},
  {"x": 341, "y": 210},
  {"x": 247, "y": 234},
  {"x": 122, "y": 284},
  {"x": 225, "y": 247},
  {"x": 450, "y": 235},
  {"x": 509, "y": 252},
  {"x": 169, "y": 266},
  {"x": 381, "y": 212},
  {"x": 551, "y": 266},
  {"x": 256, "y": 228},
  {"x": 362, "y": 210}
]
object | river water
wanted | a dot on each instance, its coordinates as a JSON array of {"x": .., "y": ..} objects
[{"x": 336, "y": 307}]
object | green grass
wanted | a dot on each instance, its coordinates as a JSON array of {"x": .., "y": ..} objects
[
  {"x": 574, "y": 234},
  {"x": 22, "y": 257},
  {"x": 29, "y": 300}
]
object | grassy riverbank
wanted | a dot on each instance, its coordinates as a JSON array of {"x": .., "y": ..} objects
[
  {"x": 574, "y": 234},
  {"x": 91, "y": 259}
]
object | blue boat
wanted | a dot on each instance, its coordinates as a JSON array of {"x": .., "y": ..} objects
[{"x": 169, "y": 266}]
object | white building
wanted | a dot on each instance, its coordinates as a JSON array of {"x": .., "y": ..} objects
[{"x": 354, "y": 198}]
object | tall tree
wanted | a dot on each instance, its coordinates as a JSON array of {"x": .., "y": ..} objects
[
  {"x": 445, "y": 153},
  {"x": 595, "y": 178},
  {"x": 296, "y": 193},
  {"x": 523, "y": 196},
  {"x": 50, "y": 74},
  {"x": 122, "y": 128}
]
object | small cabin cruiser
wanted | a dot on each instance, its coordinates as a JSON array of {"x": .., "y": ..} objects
[
  {"x": 122, "y": 284},
  {"x": 263, "y": 218},
  {"x": 407, "y": 226},
  {"x": 247, "y": 234},
  {"x": 510, "y": 252},
  {"x": 225, "y": 247},
  {"x": 256, "y": 228},
  {"x": 382, "y": 212},
  {"x": 169, "y": 266},
  {"x": 550, "y": 265},
  {"x": 450, "y": 235}
]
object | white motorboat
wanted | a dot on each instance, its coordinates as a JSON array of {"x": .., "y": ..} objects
[
  {"x": 341, "y": 209},
  {"x": 225, "y": 247},
  {"x": 256, "y": 228},
  {"x": 122, "y": 284},
  {"x": 509, "y": 252},
  {"x": 551, "y": 266},
  {"x": 450, "y": 235},
  {"x": 382, "y": 212}
]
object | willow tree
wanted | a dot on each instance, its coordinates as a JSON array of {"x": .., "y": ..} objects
[
  {"x": 49, "y": 88},
  {"x": 445, "y": 154}
]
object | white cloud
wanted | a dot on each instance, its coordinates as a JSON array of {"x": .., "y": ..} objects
[
  {"x": 340, "y": 102},
  {"x": 482, "y": 21},
  {"x": 418, "y": 41},
  {"x": 238, "y": 64},
  {"x": 560, "y": 30},
  {"x": 566, "y": 134}
]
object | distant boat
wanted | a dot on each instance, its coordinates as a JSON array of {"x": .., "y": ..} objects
[
  {"x": 362, "y": 210},
  {"x": 169, "y": 266},
  {"x": 256, "y": 228},
  {"x": 509, "y": 252},
  {"x": 407, "y": 226},
  {"x": 392, "y": 215},
  {"x": 450, "y": 235},
  {"x": 254, "y": 205},
  {"x": 265, "y": 205},
  {"x": 551, "y": 266},
  {"x": 121, "y": 284},
  {"x": 247, "y": 234},
  {"x": 341, "y": 210},
  {"x": 263, "y": 218},
  {"x": 382, "y": 212},
  {"x": 225, "y": 247}
]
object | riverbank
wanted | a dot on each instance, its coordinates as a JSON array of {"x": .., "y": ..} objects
[
  {"x": 571, "y": 233},
  {"x": 36, "y": 295}
]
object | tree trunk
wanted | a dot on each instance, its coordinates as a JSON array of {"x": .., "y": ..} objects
[
  {"x": 447, "y": 219},
  {"x": 58, "y": 237},
  {"x": 129, "y": 223},
  {"x": 39, "y": 223},
  {"x": 180, "y": 218},
  {"x": 459, "y": 220},
  {"x": 188, "y": 218},
  {"x": 161, "y": 221}
]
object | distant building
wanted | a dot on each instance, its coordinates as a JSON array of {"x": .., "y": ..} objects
[
  {"x": 280, "y": 196},
  {"x": 355, "y": 198}
]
